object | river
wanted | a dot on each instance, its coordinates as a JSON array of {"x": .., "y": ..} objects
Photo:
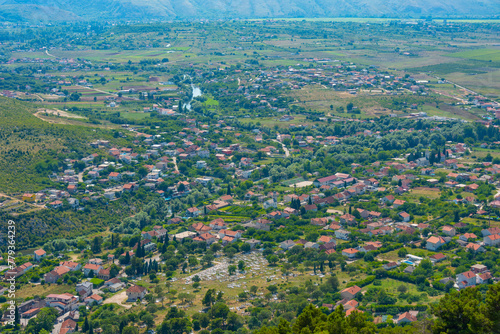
[{"x": 196, "y": 93}]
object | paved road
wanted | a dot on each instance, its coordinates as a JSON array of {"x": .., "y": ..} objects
[
  {"x": 59, "y": 321},
  {"x": 287, "y": 153}
]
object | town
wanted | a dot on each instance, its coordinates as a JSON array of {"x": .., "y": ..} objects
[{"x": 172, "y": 196}]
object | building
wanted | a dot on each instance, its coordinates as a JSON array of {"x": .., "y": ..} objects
[
  {"x": 449, "y": 230},
  {"x": 84, "y": 289},
  {"x": 193, "y": 212},
  {"x": 63, "y": 302},
  {"x": 287, "y": 244},
  {"x": 350, "y": 293},
  {"x": 136, "y": 292},
  {"x": 90, "y": 267},
  {"x": 390, "y": 265},
  {"x": 56, "y": 274},
  {"x": 342, "y": 234},
  {"x": 350, "y": 252},
  {"x": 466, "y": 279},
  {"x": 39, "y": 254},
  {"x": 93, "y": 300},
  {"x": 405, "y": 318},
  {"x": 492, "y": 240},
  {"x": 434, "y": 243},
  {"x": 437, "y": 257}
]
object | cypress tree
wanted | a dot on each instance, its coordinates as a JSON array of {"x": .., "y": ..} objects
[{"x": 85, "y": 325}]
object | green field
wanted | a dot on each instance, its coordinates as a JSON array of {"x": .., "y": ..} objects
[{"x": 479, "y": 54}]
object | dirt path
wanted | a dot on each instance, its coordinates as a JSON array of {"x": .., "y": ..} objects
[
  {"x": 38, "y": 206},
  {"x": 174, "y": 159},
  {"x": 119, "y": 299},
  {"x": 48, "y": 54}
]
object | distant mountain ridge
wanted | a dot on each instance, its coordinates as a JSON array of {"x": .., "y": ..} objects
[{"x": 69, "y": 10}]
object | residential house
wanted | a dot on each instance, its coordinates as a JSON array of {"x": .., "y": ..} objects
[
  {"x": 193, "y": 212},
  {"x": 348, "y": 219},
  {"x": 54, "y": 275},
  {"x": 342, "y": 234},
  {"x": 40, "y": 254},
  {"x": 390, "y": 265},
  {"x": 492, "y": 240},
  {"x": 84, "y": 289},
  {"x": 404, "y": 216},
  {"x": 449, "y": 230},
  {"x": 287, "y": 244},
  {"x": 437, "y": 257},
  {"x": 90, "y": 267},
  {"x": 350, "y": 293},
  {"x": 466, "y": 279},
  {"x": 405, "y": 318},
  {"x": 350, "y": 252},
  {"x": 136, "y": 292},
  {"x": 93, "y": 300},
  {"x": 434, "y": 243}
]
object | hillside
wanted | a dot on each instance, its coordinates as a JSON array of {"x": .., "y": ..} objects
[
  {"x": 65, "y": 10},
  {"x": 29, "y": 147}
]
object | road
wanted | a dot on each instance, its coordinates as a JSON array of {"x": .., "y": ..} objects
[
  {"x": 80, "y": 175},
  {"x": 57, "y": 326},
  {"x": 98, "y": 90},
  {"x": 48, "y": 54},
  {"x": 174, "y": 159},
  {"x": 18, "y": 200},
  {"x": 287, "y": 153}
]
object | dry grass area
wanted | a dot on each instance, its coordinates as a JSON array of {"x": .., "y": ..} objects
[{"x": 42, "y": 290}]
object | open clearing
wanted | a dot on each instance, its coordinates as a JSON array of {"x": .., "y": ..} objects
[{"x": 57, "y": 112}]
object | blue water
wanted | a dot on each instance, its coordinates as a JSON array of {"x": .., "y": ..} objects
[{"x": 409, "y": 262}]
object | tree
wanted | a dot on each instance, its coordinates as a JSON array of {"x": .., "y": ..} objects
[
  {"x": 272, "y": 259},
  {"x": 130, "y": 330},
  {"x": 241, "y": 265},
  {"x": 85, "y": 326},
  {"x": 491, "y": 308},
  {"x": 175, "y": 326},
  {"x": 209, "y": 298},
  {"x": 231, "y": 270},
  {"x": 331, "y": 285},
  {"x": 309, "y": 321},
  {"x": 457, "y": 312},
  {"x": 402, "y": 252},
  {"x": 44, "y": 321},
  {"x": 219, "y": 310},
  {"x": 234, "y": 321},
  {"x": 402, "y": 288},
  {"x": 96, "y": 245},
  {"x": 272, "y": 288},
  {"x": 245, "y": 248}
]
